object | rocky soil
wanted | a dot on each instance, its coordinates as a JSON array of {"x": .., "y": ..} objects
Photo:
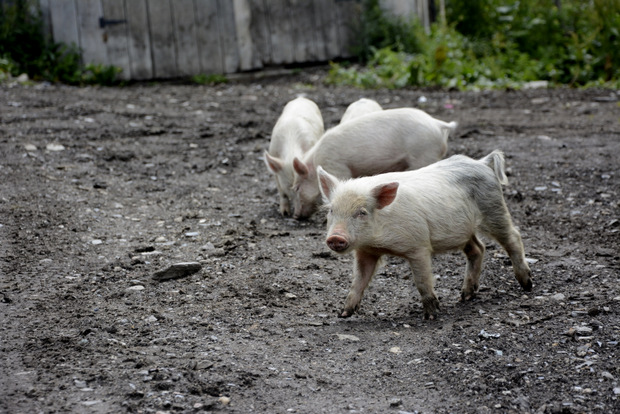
[{"x": 102, "y": 188}]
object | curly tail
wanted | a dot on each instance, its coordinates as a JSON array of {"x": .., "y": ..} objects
[
  {"x": 495, "y": 161},
  {"x": 447, "y": 128}
]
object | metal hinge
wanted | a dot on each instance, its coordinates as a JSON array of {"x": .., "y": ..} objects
[{"x": 103, "y": 22}]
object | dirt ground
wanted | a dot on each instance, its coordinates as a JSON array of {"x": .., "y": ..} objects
[{"x": 103, "y": 187}]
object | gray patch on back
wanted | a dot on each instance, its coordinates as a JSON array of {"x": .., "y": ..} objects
[{"x": 480, "y": 184}]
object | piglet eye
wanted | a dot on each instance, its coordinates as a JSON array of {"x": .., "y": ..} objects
[{"x": 361, "y": 213}]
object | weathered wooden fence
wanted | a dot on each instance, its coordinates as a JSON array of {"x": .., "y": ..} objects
[{"x": 152, "y": 39}]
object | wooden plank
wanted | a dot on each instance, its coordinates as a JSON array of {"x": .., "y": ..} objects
[
  {"x": 347, "y": 12},
  {"x": 208, "y": 37},
  {"x": 63, "y": 16},
  {"x": 163, "y": 49},
  {"x": 245, "y": 44},
  {"x": 115, "y": 37},
  {"x": 90, "y": 34},
  {"x": 305, "y": 45},
  {"x": 138, "y": 40},
  {"x": 259, "y": 30},
  {"x": 185, "y": 35},
  {"x": 228, "y": 35},
  {"x": 317, "y": 30},
  {"x": 280, "y": 32},
  {"x": 326, "y": 29}
]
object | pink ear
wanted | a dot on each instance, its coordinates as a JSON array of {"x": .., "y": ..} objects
[
  {"x": 385, "y": 194},
  {"x": 327, "y": 182},
  {"x": 273, "y": 163},
  {"x": 300, "y": 167}
]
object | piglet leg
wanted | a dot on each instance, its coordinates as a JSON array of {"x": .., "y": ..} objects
[
  {"x": 364, "y": 269},
  {"x": 474, "y": 250},
  {"x": 510, "y": 239},
  {"x": 420, "y": 264}
]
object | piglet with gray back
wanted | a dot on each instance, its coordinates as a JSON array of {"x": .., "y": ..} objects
[
  {"x": 298, "y": 128},
  {"x": 378, "y": 142},
  {"x": 416, "y": 214}
]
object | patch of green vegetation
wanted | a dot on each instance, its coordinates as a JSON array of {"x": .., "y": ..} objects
[
  {"x": 490, "y": 44},
  {"x": 25, "y": 49},
  {"x": 212, "y": 79}
]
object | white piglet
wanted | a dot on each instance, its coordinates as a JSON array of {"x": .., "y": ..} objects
[
  {"x": 416, "y": 214},
  {"x": 379, "y": 142},
  {"x": 360, "y": 107},
  {"x": 298, "y": 128}
]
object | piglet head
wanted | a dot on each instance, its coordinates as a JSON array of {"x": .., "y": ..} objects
[
  {"x": 305, "y": 189},
  {"x": 351, "y": 207}
]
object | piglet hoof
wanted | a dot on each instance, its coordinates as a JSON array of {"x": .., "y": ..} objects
[
  {"x": 431, "y": 307},
  {"x": 527, "y": 284},
  {"x": 467, "y": 296},
  {"x": 345, "y": 314}
]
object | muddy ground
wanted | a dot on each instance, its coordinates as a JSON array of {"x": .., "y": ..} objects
[{"x": 103, "y": 187}]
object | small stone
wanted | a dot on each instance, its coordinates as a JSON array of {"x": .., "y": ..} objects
[
  {"x": 135, "y": 288},
  {"x": 582, "y": 330},
  {"x": 224, "y": 400},
  {"x": 558, "y": 297},
  {"x": 192, "y": 234},
  {"x": 216, "y": 252},
  {"x": 90, "y": 403},
  {"x": 151, "y": 319},
  {"x": 79, "y": 383},
  {"x": 160, "y": 239},
  {"x": 395, "y": 350},
  {"x": 208, "y": 246},
  {"x": 177, "y": 271},
  {"x": 487, "y": 335},
  {"x": 30, "y": 147},
  {"x": 570, "y": 332},
  {"x": 344, "y": 337},
  {"x": 289, "y": 295},
  {"x": 151, "y": 254},
  {"x": 537, "y": 84},
  {"x": 608, "y": 375},
  {"x": 55, "y": 147},
  {"x": 96, "y": 242},
  {"x": 617, "y": 390},
  {"x": 395, "y": 402}
]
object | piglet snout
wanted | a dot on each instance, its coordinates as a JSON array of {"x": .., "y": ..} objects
[{"x": 337, "y": 243}]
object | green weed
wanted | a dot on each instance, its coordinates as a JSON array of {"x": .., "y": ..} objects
[
  {"x": 212, "y": 79},
  {"x": 26, "y": 50},
  {"x": 490, "y": 44}
]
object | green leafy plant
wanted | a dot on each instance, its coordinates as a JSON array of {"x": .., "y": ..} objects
[
  {"x": 490, "y": 44},
  {"x": 376, "y": 31},
  {"x": 100, "y": 74},
  {"x": 26, "y": 49},
  {"x": 6, "y": 68},
  {"x": 213, "y": 79}
]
